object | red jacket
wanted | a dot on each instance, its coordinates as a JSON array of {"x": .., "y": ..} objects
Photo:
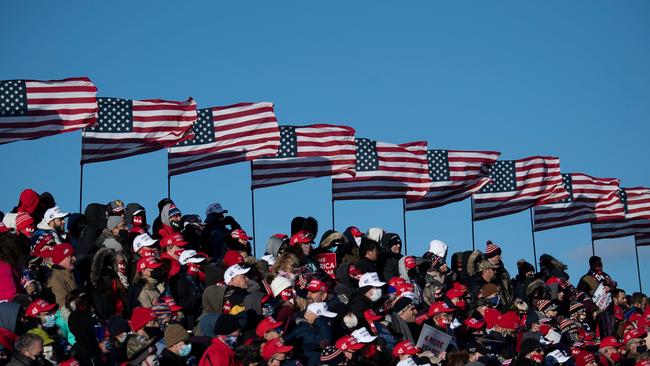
[
  {"x": 219, "y": 354},
  {"x": 8, "y": 282}
]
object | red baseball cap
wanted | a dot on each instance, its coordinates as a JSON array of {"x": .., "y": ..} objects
[
  {"x": 474, "y": 323},
  {"x": 455, "y": 293},
  {"x": 301, "y": 237},
  {"x": 355, "y": 231},
  {"x": 175, "y": 239},
  {"x": 404, "y": 348},
  {"x": 140, "y": 317},
  {"x": 266, "y": 325},
  {"x": 272, "y": 347},
  {"x": 60, "y": 252},
  {"x": 609, "y": 342},
  {"x": 147, "y": 263},
  {"x": 232, "y": 257},
  {"x": 371, "y": 316},
  {"x": 634, "y": 333},
  {"x": 404, "y": 287},
  {"x": 317, "y": 285},
  {"x": 584, "y": 358},
  {"x": 37, "y": 307},
  {"x": 240, "y": 234},
  {"x": 439, "y": 307},
  {"x": 491, "y": 317},
  {"x": 396, "y": 281},
  {"x": 509, "y": 320},
  {"x": 409, "y": 262},
  {"x": 348, "y": 343}
]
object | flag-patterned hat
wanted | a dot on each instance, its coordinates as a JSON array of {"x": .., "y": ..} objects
[{"x": 491, "y": 249}]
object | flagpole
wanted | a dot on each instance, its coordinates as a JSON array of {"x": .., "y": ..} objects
[
  {"x": 253, "y": 212},
  {"x": 406, "y": 248},
  {"x": 81, "y": 185},
  {"x": 332, "y": 190},
  {"x": 169, "y": 186},
  {"x": 532, "y": 231},
  {"x": 638, "y": 268},
  {"x": 471, "y": 217},
  {"x": 593, "y": 246}
]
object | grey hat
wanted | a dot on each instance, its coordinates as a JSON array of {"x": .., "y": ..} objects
[{"x": 113, "y": 221}]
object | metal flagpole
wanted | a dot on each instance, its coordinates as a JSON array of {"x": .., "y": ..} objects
[
  {"x": 331, "y": 192},
  {"x": 593, "y": 246},
  {"x": 81, "y": 186},
  {"x": 253, "y": 212},
  {"x": 532, "y": 231},
  {"x": 406, "y": 248},
  {"x": 638, "y": 268},
  {"x": 169, "y": 186},
  {"x": 471, "y": 216}
]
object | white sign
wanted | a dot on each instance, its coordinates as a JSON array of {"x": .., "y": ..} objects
[
  {"x": 433, "y": 340},
  {"x": 602, "y": 298}
]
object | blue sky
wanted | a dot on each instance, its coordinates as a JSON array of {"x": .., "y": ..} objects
[{"x": 569, "y": 79}]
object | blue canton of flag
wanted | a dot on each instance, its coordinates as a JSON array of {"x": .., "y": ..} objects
[
  {"x": 203, "y": 129},
  {"x": 13, "y": 98},
  {"x": 438, "y": 165},
  {"x": 288, "y": 143},
  {"x": 503, "y": 176},
  {"x": 568, "y": 186},
  {"x": 367, "y": 158},
  {"x": 115, "y": 115}
]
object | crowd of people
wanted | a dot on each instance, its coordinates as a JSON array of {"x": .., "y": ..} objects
[{"x": 107, "y": 287}]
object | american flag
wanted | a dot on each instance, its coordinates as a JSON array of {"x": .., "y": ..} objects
[
  {"x": 637, "y": 216},
  {"x": 131, "y": 127},
  {"x": 519, "y": 184},
  {"x": 227, "y": 135},
  {"x": 590, "y": 199},
  {"x": 31, "y": 109},
  {"x": 385, "y": 171},
  {"x": 455, "y": 176},
  {"x": 307, "y": 152},
  {"x": 642, "y": 240}
]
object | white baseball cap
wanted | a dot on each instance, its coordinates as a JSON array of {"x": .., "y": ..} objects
[
  {"x": 320, "y": 309},
  {"x": 141, "y": 241},
  {"x": 370, "y": 279},
  {"x": 363, "y": 336},
  {"x": 233, "y": 271},
  {"x": 407, "y": 362},
  {"x": 438, "y": 247},
  {"x": 190, "y": 256},
  {"x": 54, "y": 213},
  {"x": 215, "y": 208}
]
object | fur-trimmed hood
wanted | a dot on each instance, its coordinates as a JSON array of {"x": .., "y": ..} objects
[
  {"x": 472, "y": 262},
  {"x": 103, "y": 261}
]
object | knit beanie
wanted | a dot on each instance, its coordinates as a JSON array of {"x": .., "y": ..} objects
[{"x": 491, "y": 249}]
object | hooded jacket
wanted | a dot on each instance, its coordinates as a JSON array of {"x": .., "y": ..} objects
[
  {"x": 128, "y": 213},
  {"x": 165, "y": 223},
  {"x": 95, "y": 224},
  {"x": 108, "y": 293},
  {"x": 273, "y": 245},
  {"x": 309, "y": 339},
  {"x": 388, "y": 259}
]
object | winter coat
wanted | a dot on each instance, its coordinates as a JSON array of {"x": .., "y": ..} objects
[
  {"x": 350, "y": 252},
  {"x": 169, "y": 358},
  {"x": 8, "y": 282},
  {"x": 86, "y": 349},
  {"x": 365, "y": 265},
  {"x": 9, "y": 315},
  {"x": 108, "y": 294},
  {"x": 401, "y": 329},
  {"x": 309, "y": 339},
  {"x": 61, "y": 282},
  {"x": 505, "y": 287},
  {"x": 188, "y": 292},
  {"x": 551, "y": 267},
  {"x": 19, "y": 360},
  {"x": 219, "y": 354},
  {"x": 346, "y": 285},
  {"x": 107, "y": 240},
  {"x": 144, "y": 293},
  {"x": 389, "y": 261},
  {"x": 212, "y": 299}
]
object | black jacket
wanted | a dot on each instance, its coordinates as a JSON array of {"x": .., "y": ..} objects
[{"x": 169, "y": 358}]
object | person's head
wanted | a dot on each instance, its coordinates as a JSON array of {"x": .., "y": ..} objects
[
  {"x": 634, "y": 340},
  {"x": 492, "y": 253},
  {"x": 618, "y": 296},
  {"x": 441, "y": 314},
  {"x": 609, "y": 347},
  {"x": 316, "y": 291},
  {"x": 491, "y": 294},
  {"x": 146, "y": 265},
  {"x": 174, "y": 244},
  {"x": 144, "y": 246},
  {"x": 394, "y": 243},
  {"x": 142, "y": 318},
  {"x": 24, "y": 224},
  {"x": 349, "y": 346},
  {"x": 370, "y": 286},
  {"x": 302, "y": 240},
  {"x": 29, "y": 345},
  {"x": 64, "y": 256},
  {"x": 275, "y": 351},
  {"x": 176, "y": 340},
  {"x": 488, "y": 270},
  {"x": 369, "y": 249},
  {"x": 235, "y": 276},
  {"x": 115, "y": 224},
  {"x": 228, "y": 329},
  {"x": 532, "y": 350},
  {"x": 269, "y": 329},
  {"x": 241, "y": 237},
  {"x": 596, "y": 264},
  {"x": 55, "y": 219},
  {"x": 548, "y": 308},
  {"x": 43, "y": 311},
  {"x": 639, "y": 300},
  {"x": 578, "y": 312},
  {"x": 405, "y": 309}
]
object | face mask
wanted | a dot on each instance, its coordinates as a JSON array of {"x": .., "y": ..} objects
[
  {"x": 538, "y": 358},
  {"x": 375, "y": 295},
  {"x": 176, "y": 225},
  {"x": 123, "y": 236},
  {"x": 642, "y": 349},
  {"x": 185, "y": 350},
  {"x": 48, "y": 352},
  {"x": 442, "y": 322},
  {"x": 137, "y": 221},
  {"x": 493, "y": 301},
  {"x": 357, "y": 240},
  {"x": 231, "y": 341},
  {"x": 615, "y": 356},
  {"x": 49, "y": 321}
]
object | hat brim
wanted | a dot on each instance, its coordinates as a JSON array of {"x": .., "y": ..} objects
[
  {"x": 328, "y": 314},
  {"x": 193, "y": 260}
]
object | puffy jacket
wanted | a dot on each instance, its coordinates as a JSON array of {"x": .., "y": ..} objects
[
  {"x": 61, "y": 282},
  {"x": 310, "y": 339}
]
